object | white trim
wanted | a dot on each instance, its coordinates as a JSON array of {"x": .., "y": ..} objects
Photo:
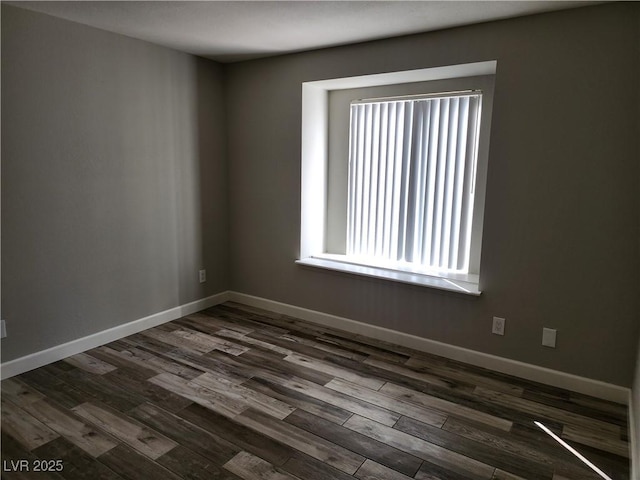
[
  {"x": 412, "y": 278},
  {"x": 408, "y": 76},
  {"x": 634, "y": 438},
  {"x": 53, "y": 354},
  {"x": 523, "y": 370},
  {"x": 317, "y": 229}
]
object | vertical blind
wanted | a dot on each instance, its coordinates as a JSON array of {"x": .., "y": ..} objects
[{"x": 411, "y": 185}]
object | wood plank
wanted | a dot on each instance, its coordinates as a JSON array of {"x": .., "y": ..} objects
[
  {"x": 215, "y": 362},
  {"x": 94, "y": 388},
  {"x": 174, "y": 341},
  {"x": 324, "y": 346},
  {"x": 123, "y": 363},
  {"x": 208, "y": 320},
  {"x": 130, "y": 464},
  {"x": 301, "y": 440},
  {"x": 333, "y": 370},
  {"x": 234, "y": 335},
  {"x": 81, "y": 434},
  {"x": 614, "y": 409},
  {"x": 166, "y": 327},
  {"x": 479, "y": 404},
  {"x": 244, "y": 438},
  {"x": 245, "y": 319},
  {"x": 371, "y": 470},
  {"x": 284, "y": 322},
  {"x": 199, "y": 394},
  {"x": 197, "y": 439},
  {"x": 26, "y": 429},
  {"x": 565, "y": 402},
  {"x": 428, "y": 366},
  {"x": 497, "y": 439},
  {"x": 484, "y": 453},
  {"x": 12, "y": 449},
  {"x": 194, "y": 323},
  {"x": 300, "y": 400},
  {"x": 265, "y": 362},
  {"x": 501, "y": 475},
  {"x": 293, "y": 343},
  {"x": 77, "y": 464},
  {"x": 118, "y": 345},
  {"x": 335, "y": 398},
  {"x": 129, "y": 431},
  {"x": 415, "y": 374},
  {"x": 432, "y": 471},
  {"x": 548, "y": 454},
  {"x": 187, "y": 464},
  {"x": 54, "y": 388},
  {"x": 252, "y": 318},
  {"x": 438, "y": 404},
  {"x": 617, "y": 467},
  {"x": 305, "y": 467},
  {"x": 20, "y": 393},
  {"x": 56, "y": 368},
  {"x": 420, "y": 448},
  {"x": 205, "y": 343},
  {"x": 363, "y": 348},
  {"x": 158, "y": 363},
  {"x": 138, "y": 340},
  {"x": 592, "y": 439},
  {"x": 375, "y": 343},
  {"x": 545, "y": 411},
  {"x": 396, "y": 403},
  {"x": 250, "y": 467},
  {"x": 356, "y": 442},
  {"x": 486, "y": 373},
  {"x": 90, "y": 364},
  {"x": 147, "y": 391},
  {"x": 292, "y": 324},
  {"x": 242, "y": 395},
  {"x": 452, "y": 387}
]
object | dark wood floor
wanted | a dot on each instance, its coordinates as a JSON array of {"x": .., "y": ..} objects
[{"x": 240, "y": 393}]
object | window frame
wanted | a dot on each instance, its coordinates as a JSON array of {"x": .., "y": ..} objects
[{"x": 319, "y": 159}]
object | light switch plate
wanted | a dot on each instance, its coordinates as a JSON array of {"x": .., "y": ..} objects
[
  {"x": 549, "y": 337},
  {"x": 498, "y": 326}
]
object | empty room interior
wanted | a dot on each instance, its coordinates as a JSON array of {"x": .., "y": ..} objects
[{"x": 320, "y": 240}]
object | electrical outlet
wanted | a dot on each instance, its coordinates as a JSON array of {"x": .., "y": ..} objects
[
  {"x": 3, "y": 329},
  {"x": 549, "y": 337},
  {"x": 203, "y": 276},
  {"x": 498, "y": 326}
]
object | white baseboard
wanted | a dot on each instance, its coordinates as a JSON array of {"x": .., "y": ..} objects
[
  {"x": 53, "y": 354},
  {"x": 523, "y": 370},
  {"x": 527, "y": 371}
]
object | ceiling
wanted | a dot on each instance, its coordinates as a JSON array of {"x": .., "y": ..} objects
[{"x": 229, "y": 31}]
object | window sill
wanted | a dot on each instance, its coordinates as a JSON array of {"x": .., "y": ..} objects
[{"x": 467, "y": 287}]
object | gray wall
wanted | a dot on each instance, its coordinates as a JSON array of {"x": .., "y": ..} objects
[
  {"x": 115, "y": 188},
  {"x": 114, "y": 180},
  {"x": 562, "y": 212}
]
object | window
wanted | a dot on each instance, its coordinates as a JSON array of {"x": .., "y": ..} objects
[
  {"x": 394, "y": 172},
  {"x": 411, "y": 181}
]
